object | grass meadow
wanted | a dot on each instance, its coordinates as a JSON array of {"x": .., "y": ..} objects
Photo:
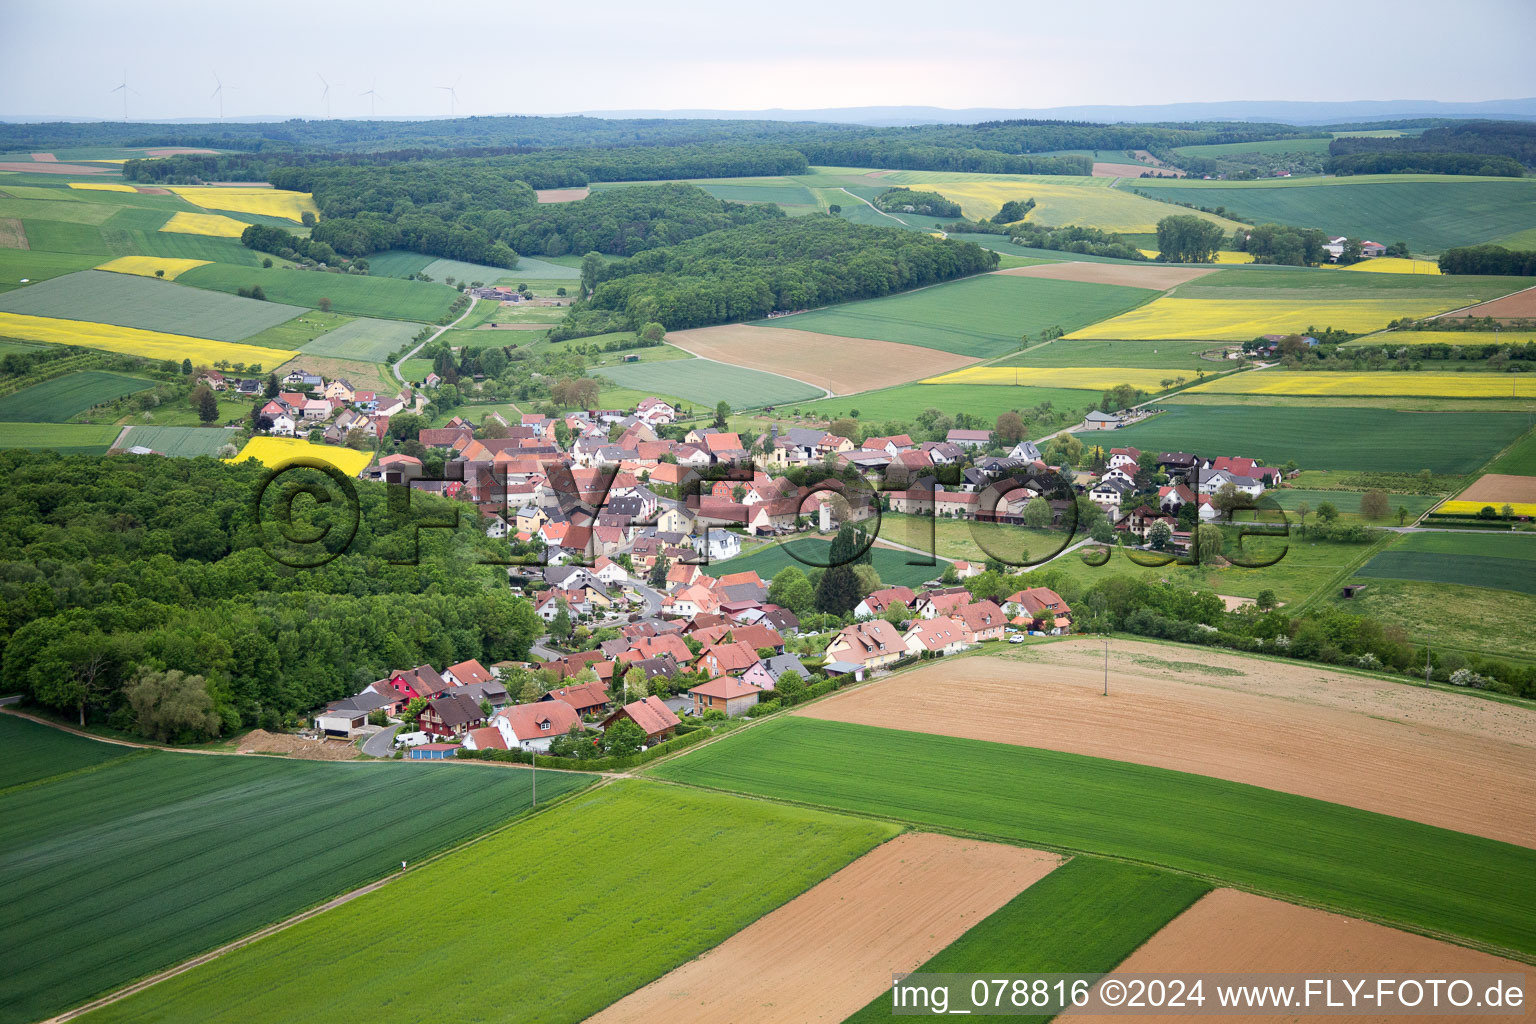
[
  {"x": 1352, "y": 861},
  {"x": 1519, "y": 459},
  {"x": 1450, "y": 615},
  {"x": 56, "y": 400},
  {"x": 360, "y": 295},
  {"x": 153, "y": 858},
  {"x": 365, "y": 338},
  {"x": 32, "y": 265},
  {"x": 1429, "y": 212},
  {"x": 907, "y": 400},
  {"x": 1085, "y": 917},
  {"x": 1328, "y": 437},
  {"x": 64, "y": 438},
  {"x": 145, "y": 304},
  {"x": 184, "y": 442},
  {"x": 983, "y": 316},
  {"x": 558, "y": 918}
]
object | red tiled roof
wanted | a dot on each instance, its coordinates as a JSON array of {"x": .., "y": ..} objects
[
  {"x": 541, "y": 718},
  {"x": 725, "y": 688}
]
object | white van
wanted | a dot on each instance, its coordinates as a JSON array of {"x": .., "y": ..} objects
[{"x": 412, "y": 739}]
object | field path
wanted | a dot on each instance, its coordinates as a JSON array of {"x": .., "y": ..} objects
[
  {"x": 872, "y": 206},
  {"x": 435, "y": 335}
]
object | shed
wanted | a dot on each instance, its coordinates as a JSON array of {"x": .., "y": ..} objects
[{"x": 433, "y": 752}]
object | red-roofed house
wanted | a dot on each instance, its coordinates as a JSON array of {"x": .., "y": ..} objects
[
  {"x": 651, "y": 715},
  {"x": 1042, "y": 608},
  {"x": 728, "y": 659},
  {"x": 982, "y": 621},
  {"x": 487, "y": 738},
  {"x": 467, "y": 672},
  {"x": 938, "y": 637},
  {"x": 732, "y": 696},
  {"x": 933, "y": 603},
  {"x": 535, "y": 726},
  {"x": 585, "y": 698},
  {"x": 873, "y": 644}
]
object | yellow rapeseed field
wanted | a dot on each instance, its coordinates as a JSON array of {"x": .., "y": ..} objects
[
  {"x": 268, "y": 202},
  {"x": 146, "y": 266},
  {"x": 135, "y": 342},
  {"x": 1446, "y": 338},
  {"x": 1394, "y": 265},
  {"x": 1241, "y": 319},
  {"x": 1386, "y": 383},
  {"x": 215, "y": 224},
  {"x": 1222, "y": 255},
  {"x": 1472, "y": 508},
  {"x": 1059, "y": 204},
  {"x": 102, "y": 186},
  {"x": 1092, "y": 378},
  {"x": 276, "y": 452}
]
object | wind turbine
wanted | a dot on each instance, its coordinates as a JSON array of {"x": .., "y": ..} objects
[
  {"x": 373, "y": 97},
  {"x": 453, "y": 95},
  {"x": 219, "y": 92},
  {"x": 125, "y": 90},
  {"x": 325, "y": 94}
]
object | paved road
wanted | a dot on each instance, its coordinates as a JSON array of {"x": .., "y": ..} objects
[
  {"x": 435, "y": 335},
  {"x": 381, "y": 743}
]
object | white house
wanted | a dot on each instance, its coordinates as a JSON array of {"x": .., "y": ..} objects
[
  {"x": 497, "y": 528},
  {"x": 535, "y": 726},
  {"x": 610, "y": 572},
  {"x": 1251, "y": 486},
  {"x": 1025, "y": 451},
  {"x": 282, "y": 425},
  {"x": 1118, "y": 473},
  {"x": 654, "y": 411},
  {"x": 940, "y": 636},
  {"x": 719, "y": 545}
]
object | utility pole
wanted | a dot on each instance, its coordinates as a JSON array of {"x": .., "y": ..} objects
[
  {"x": 1426, "y": 663},
  {"x": 534, "y": 755},
  {"x": 1106, "y": 666}
]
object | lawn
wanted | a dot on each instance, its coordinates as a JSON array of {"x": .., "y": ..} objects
[
  {"x": 1085, "y": 917},
  {"x": 64, "y": 438},
  {"x": 557, "y": 918},
  {"x": 1448, "y": 615},
  {"x": 1384, "y": 440},
  {"x": 706, "y": 382},
  {"x": 92, "y": 859},
  {"x": 29, "y": 752},
  {"x": 366, "y": 339},
  {"x": 907, "y": 400},
  {"x": 1429, "y": 212},
  {"x": 360, "y": 295},
  {"x": 1348, "y": 860},
  {"x": 56, "y": 400},
  {"x": 1520, "y": 459},
  {"x": 971, "y": 540},
  {"x": 986, "y": 315},
  {"x": 892, "y": 565},
  {"x": 1491, "y": 561},
  {"x": 146, "y": 304},
  {"x": 178, "y": 441}
]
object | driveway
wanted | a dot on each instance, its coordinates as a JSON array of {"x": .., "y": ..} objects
[{"x": 381, "y": 743}]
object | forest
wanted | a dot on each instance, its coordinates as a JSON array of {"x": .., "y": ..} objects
[
  {"x": 626, "y": 221},
  {"x": 784, "y": 263},
  {"x": 115, "y": 566},
  {"x": 906, "y": 200},
  {"x": 1513, "y": 140},
  {"x": 1489, "y": 259}
]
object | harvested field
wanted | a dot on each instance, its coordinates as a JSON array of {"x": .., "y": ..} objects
[
  {"x": 259, "y": 741},
  {"x": 1438, "y": 758},
  {"x": 49, "y": 167},
  {"x": 1109, "y": 170},
  {"x": 561, "y": 195},
  {"x": 1500, "y": 487},
  {"x": 151, "y": 190},
  {"x": 1156, "y": 275},
  {"x": 829, "y": 951},
  {"x": 12, "y": 234},
  {"x": 47, "y": 157},
  {"x": 1519, "y": 305},
  {"x": 841, "y": 365},
  {"x": 176, "y": 152},
  {"x": 1236, "y": 932}
]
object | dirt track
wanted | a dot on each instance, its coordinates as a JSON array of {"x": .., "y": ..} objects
[
  {"x": 1445, "y": 759},
  {"x": 832, "y": 949},
  {"x": 841, "y": 365},
  {"x": 1230, "y": 932},
  {"x": 1154, "y": 275},
  {"x": 1496, "y": 487}
]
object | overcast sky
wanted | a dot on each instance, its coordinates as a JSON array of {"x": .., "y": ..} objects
[{"x": 514, "y": 57}]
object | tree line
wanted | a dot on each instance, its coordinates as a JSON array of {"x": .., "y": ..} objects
[
  {"x": 113, "y": 568},
  {"x": 1489, "y": 259},
  {"x": 1511, "y": 140}
]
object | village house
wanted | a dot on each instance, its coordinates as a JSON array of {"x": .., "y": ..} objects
[
  {"x": 982, "y": 621},
  {"x": 533, "y": 727},
  {"x": 970, "y": 438},
  {"x": 652, "y": 715},
  {"x": 1040, "y": 607},
  {"x": 936, "y": 637},
  {"x": 873, "y": 644},
  {"x": 878, "y": 601},
  {"x": 585, "y": 698},
  {"x": 726, "y": 694},
  {"x": 933, "y": 603},
  {"x": 450, "y": 714},
  {"x": 346, "y": 718}
]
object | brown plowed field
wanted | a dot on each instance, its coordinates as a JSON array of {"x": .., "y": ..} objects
[
  {"x": 1441, "y": 758},
  {"x": 259, "y": 741},
  {"x": 1230, "y": 932},
  {"x": 1154, "y": 275},
  {"x": 47, "y": 167},
  {"x": 13, "y": 235},
  {"x": 841, "y": 365},
  {"x": 828, "y": 952},
  {"x": 176, "y": 152},
  {"x": 1109, "y": 170},
  {"x": 1496, "y": 487},
  {"x": 45, "y": 157},
  {"x": 560, "y": 195},
  {"x": 1518, "y": 305}
]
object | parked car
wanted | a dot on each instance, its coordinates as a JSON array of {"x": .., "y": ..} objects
[{"x": 1015, "y": 639}]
